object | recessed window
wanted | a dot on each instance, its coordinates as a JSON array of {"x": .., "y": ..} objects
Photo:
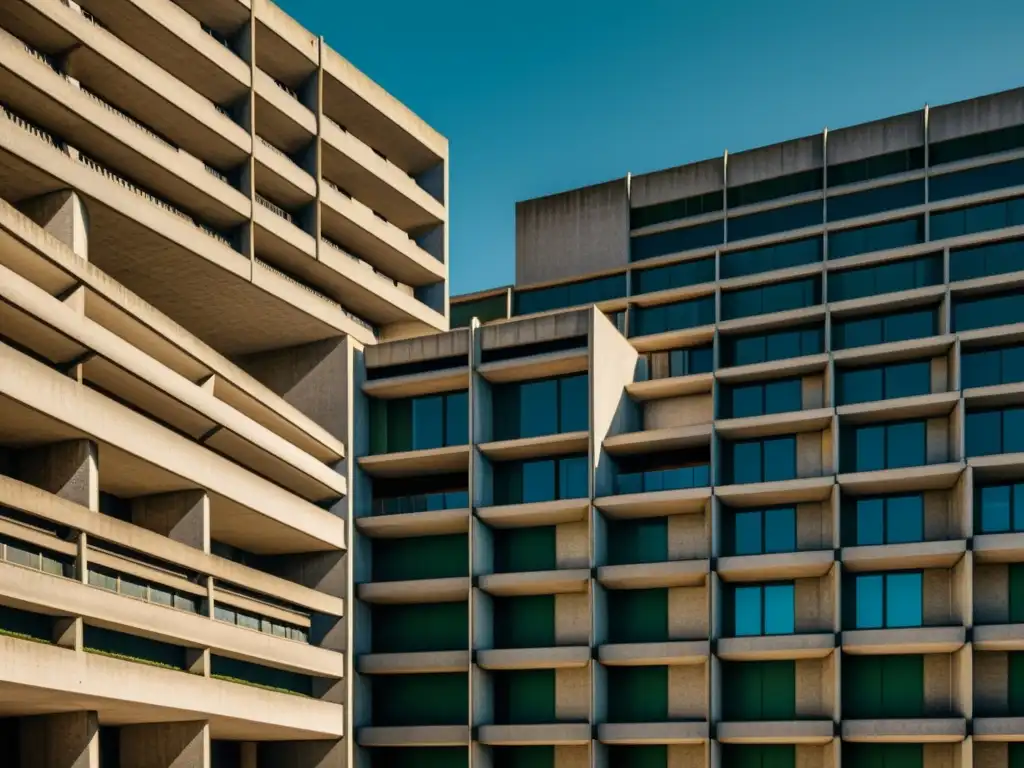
[
  {"x": 970, "y": 314},
  {"x": 774, "y": 221},
  {"x": 570, "y": 294},
  {"x": 419, "y": 423},
  {"x": 883, "y": 382},
  {"x": 777, "y": 297},
  {"x": 888, "y": 600},
  {"x": 990, "y": 367},
  {"x": 676, "y": 241},
  {"x": 976, "y": 180},
  {"x": 884, "y": 329},
  {"x": 781, "y": 345},
  {"x": 762, "y": 531},
  {"x": 995, "y": 431},
  {"x": 541, "y": 480},
  {"x": 976, "y": 145},
  {"x": 876, "y": 200},
  {"x": 760, "y": 461},
  {"x": 876, "y": 167},
  {"x": 676, "y": 362},
  {"x": 986, "y": 260},
  {"x": 872, "y": 447},
  {"x": 673, "y": 317},
  {"x": 892, "y": 276},
  {"x": 775, "y": 188},
  {"x": 878, "y": 520},
  {"x": 977, "y": 218},
  {"x": 879, "y": 237},
  {"x": 759, "y": 399},
  {"x": 766, "y": 609},
  {"x": 999, "y": 508},
  {"x": 688, "y": 207},
  {"x": 753, "y": 261},
  {"x": 681, "y": 275},
  {"x": 543, "y": 407}
]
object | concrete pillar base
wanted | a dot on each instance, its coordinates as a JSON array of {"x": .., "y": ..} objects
[
  {"x": 68, "y": 740},
  {"x": 63, "y": 215},
  {"x": 166, "y": 745},
  {"x": 183, "y": 516},
  {"x": 69, "y": 470}
]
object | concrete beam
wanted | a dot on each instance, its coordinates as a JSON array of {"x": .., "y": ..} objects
[
  {"x": 67, "y": 740},
  {"x": 69, "y": 470},
  {"x": 183, "y": 516},
  {"x": 166, "y": 745},
  {"x": 302, "y": 754},
  {"x": 62, "y": 214}
]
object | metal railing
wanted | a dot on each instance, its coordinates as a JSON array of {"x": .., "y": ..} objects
[
  {"x": 362, "y": 262},
  {"x": 35, "y": 130},
  {"x": 126, "y": 117},
  {"x": 274, "y": 208}
]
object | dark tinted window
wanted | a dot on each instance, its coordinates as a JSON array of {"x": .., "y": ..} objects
[
  {"x": 760, "y": 531},
  {"x": 774, "y": 221},
  {"x": 757, "y": 461},
  {"x": 999, "y": 508},
  {"x": 543, "y": 407},
  {"x": 995, "y": 431},
  {"x": 978, "y": 145},
  {"x": 880, "y": 237},
  {"x": 876, "y": 167},
  {"x": 490, "y": 308},
  {"x": 777, "y": 297},
  {"x": 779, "y": 256},
  {"x": 882, "y": 329},
  {"x": 675, "y": 362},
  {"x": 758, "y": 399},
  {"x": 773, "y": 189},
  {"x": 522, "y": 482},
  {"x": 986, "y": 260},
  {"x": 781, "y": 345},
  {"x": 988, "y": 367},
  {"x": 902, "y": 275},
  {"x": 570, "y": 294},
  {"x": 863, "y": 385},
  {"x": 676, "y": 241},
  {"x": 709, "y": 202},
  {"x": 988, "y": 311},
  {"x": 875, "y": 520},
  {"x": 975, "y": 180},
  {"x": 978, "y": 218},
  {"x": 871, "y": 447},
  {"x": 674, "y": 276},
  {"x": 673, "y": 317},
  {"x": 873, "y": 201}
]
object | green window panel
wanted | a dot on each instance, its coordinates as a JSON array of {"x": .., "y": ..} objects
[
  {"x": 644, "y": 756},
  {"x": 643, "y": 540},
  {"x": 637, "y": 615},
  {"x": 1016, "y": 686},
  {"x": 758, "y": 756},
  {"x": 132, "y": 647},
  {"x": 883, "y": 686},
  {"x": 637, "y": 694},
  {"x": 1015, "y": 576},
  {"x": 541, "y": 756},
  {"x": 423, "y": 557},
  {"x": 525, "y": 549},
  {"x": 416, "y": 423},
  {"x": 524, "y": 697},
  {"x": 759, "y": 690},
  {"x": 406, "y": 700},
  {"x": 1015, "y": 756},
  {"x": 857, "y": 755},
  {"x": 419, "y": 627},
  {"x": 524, "y": 622},
  {"x": 419, "y": 757},
  {"x": 18, "y": 623},
  {"x": 260, "y": 676}
]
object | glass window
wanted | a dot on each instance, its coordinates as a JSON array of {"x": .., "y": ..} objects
[
  {"x": 763, "y": 398},
  {"x": 573, "y": 403},
  {"x": 986, "y": 260},
  {"x": 673, "y": 317},
  {"x": 781, "y": 345},
  {"x": 763, "y": 610},
  {"x": 775, "y": 188},
  {"x": 755, "y": 461},
  {"x": 676, "y": 241},
  {"x": 976, "y": 180},
  {"x": 428, "y": 422},
  {"x": 777, "y": 256},
  {"x": 862, "y": 385},
  {"x": 878, "y": 237},
  {"x": 573, "y": 478},
  {"x": 486, "y": 309},
  {"x": 779, "y": 613},
  {"x": 778, "y": 297},
  {"x": 870, "y": 522},
  {"x": 768, "y": 531},
  {"x": 674, "y": 276},
  {"x": 870, "y": 447},
  {"x": 903, "y": 275},
  {"x": 779, "y": 459},
  {"x": 889, "y": 520},
  {"x": 697, "y": 205},
  {"x": 882, "y": 329},
  {"x": 538, "y": 481},
  {"x": 676, "y": 362},
  {"x": 976, "y": 145},
  {"x": 748, "y": 611},
  {"x": 888, "y": 600},
  {"x": 775, "y": 221},
  {"x": 1000, "y": 508},
  {"x": 876, "y": 200},
  {"x": 570, "y": 294},
  {"x": 876, "y": 167},
  {"x": 987, "y": 311},
  {"x": 541, "y": 480},
  {"x": 748, "y": 533},
  {"x": 456, "y": 418},
  {"x": 995, "y": 431},
  {"x": 905, "y": 444},
  {"x": 538, "y": 408},
  {"x": 978, "y": 218},
  {"x": 544, "y": 407}
]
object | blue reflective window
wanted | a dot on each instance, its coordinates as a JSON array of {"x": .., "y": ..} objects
[
  {"x": 763, "y": 531},
  {"x": 902, "y": 275},
  {"x": 876, "y": 167},
  {"x": 888, "y": 600},
  {"x": 544, "y": 407},
  {"x": 876, "y": 200},
  {"x": 870, "y": 447},
  {"x": 999, "y": 508},
  {"x": 987, "y": 311},
  {"x": 779, "y": 609},
  {"x": 680, "y": 275},
  {"x": 762, "y": 398},
  {"x": 978, "y": 218},
  {"x": 986, "y": 260},
  {"x": 676, "y": 241},
  {"x": 573, "y": 479},
  {"x": 428, "y": 422},
  {"x": 775, "y": 188},
  {"x": 976, "y": 180},
  {"x": 879, "y": 237},
  {"x": 882, "y": 329},
  {"x": 748, "y": 618},
  {"x": 539, "y": 481},
  {"x": 794, "y": 253},
  {"x": 570, "y": 294},
  {"x": 573, "y": 404},
  {"x": 456, "y": 418},
  {"x": 521, "y": 482},
  {"x": 658, "y": 213},
  {"x": 995, "y": 431},
  {"x": 777, "y": 297},
  {"x": 885, "y": 382},
  {"x": 780, "y": 345},
  {"x": 673, "y": 317},
  {"x": 775, "y": 221},
  {"x": 672, "y": 479},
  {"x": 976, "y": 145},
  {"x": 767, "y": 609},
  {"x": 756, "y": 461},
  {"x": 889, "y": 520},
  {"x": 538, "y": 408}
]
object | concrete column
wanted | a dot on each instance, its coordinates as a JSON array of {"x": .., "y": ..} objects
[
  {"x": 166, "y": 745},
  {"x": 69, "y": 470},
  {"x": 67, "y": 740},
  {"x": 247, "y": 758},
  {"x": 183, "y": 516},
  {"x": 67, "y": 632},
  {"x": 63, "y": 215},
  {"x": 302, "y": 754}
]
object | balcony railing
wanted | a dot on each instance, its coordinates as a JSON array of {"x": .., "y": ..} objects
[
  {"x": 126, "y": 117},
  {"x": 286, "y": 89},
  {"x": 422, "y": 502},
  {"x": 275, "y": 208},
  {"x": 677, "y": 479},
  {"x": 366, "y": 265}
]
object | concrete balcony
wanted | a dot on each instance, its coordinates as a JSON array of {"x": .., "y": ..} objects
[
  {"x": 794, "y": 366},
  {"x": 925, "y": 554},
  {"x": 284, "y": 48},
  {"x": 133, "y": 83},
  {"x": 997, "y": 728},
  {"x": 679, "y": 573},
  {"x": 655, "y": 440},
  {"x": 415, "y": 384},
  {"x": 674, "y": 386},
  {"x": 998, "y": 637},
  {"x": 383, "y": 186},
  {"x": 557, "y": 734},
  {"x": 176, "y": 41},
  {"x": 223, "y": 16},
  {"x": 672, "y": 653},
  {"x": 924, "y": 478},
  {"x": 560, "y": 582},
  {"x": 774, "y": 647},
  {"x": 563, "y": 657},
  {"x": 920, "y": 731},
  {"x": 414, "y": 736},
  {"x": 796, "y": 491},
  {"x": 280, "y": 179},
  {"x": 429, "y": 461},
  {"x": 540, "y": 366},
  {"x": 684, "y": 337},
  {"x": 786, "y": 565},
  {"x": 429, "y": 662},
  {"x": 910, "y": 640},
  {"x": 280, "y": 117},
  {"x": 536, "y": 513},
  {"x": 409, "y": 524},
  {"x": 777, "y": 732},
  {"x": 655, "y": 503},
  {"x": 653, "y": 733},
  {"x": 558, "y": 444},
  {"x": 449, "y": 590},
  {"x": 879, "y": 354},
  {"x": 814, "y": 420},
  {"x": 918, "y": 407}
]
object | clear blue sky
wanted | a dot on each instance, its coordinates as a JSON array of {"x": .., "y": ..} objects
[{"x": 540, "y": 96}]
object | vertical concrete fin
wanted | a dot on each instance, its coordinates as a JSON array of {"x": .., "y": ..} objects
[
  {"x": 69, "y": 469},
  {"x": 66, "y": 740},
  {"x": 166, "y": 745},
  {"x": 183, "y": 516},
  {"x": 62, "y": 214}
]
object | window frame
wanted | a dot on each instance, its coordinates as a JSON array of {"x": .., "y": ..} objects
[
  {"x": 885, "y": 577},
  {"x": 733, "y": 529},
  {"x": 762, "y": 590}
]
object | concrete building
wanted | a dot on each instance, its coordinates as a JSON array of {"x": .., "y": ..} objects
[
  {"x": 205, "y": 213},
  {"x": 733, "y": 476}
]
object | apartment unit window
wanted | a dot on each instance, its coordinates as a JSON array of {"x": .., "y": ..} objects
[
  {"x": 775, "y": 188},
  {"x": 486, "y": 310},
  {"x": 141, "y": 589},
  {"x": 759, "y": 690},
  {"x": 763, "y": 609},
  {"x": 777, "y": 297},
  {"x": 518, "y": 550},
  {"x": 883, "y": 687},
  {"x": 679, "y": 275},
  {"x": 27, "y": 624},
  {"x": 673, "y": 317},
  {"x": 877, "y": 167},
  {"x": 524, "y": 696},
  {"x": 752, "y": 261},
  {"x": 422, "y": 557},
  {"x": 883, "y": 382},
  {"x": 876, "y": 200},
  {"x": 760, "y": 461},
  {"x": 765, "y": 347},
  {"x": 637, "y": 615},
  {"x": 570, "y": 294},
  {"x": 897, "y": 519},
  {"x": 977, "y": 218},
  {"x": 976, "y": 180},
  {"x": 640, "y": 756},
  {"x": 35, "y": 557},
  {"x": 976, "y": 145},
  {"x": 667, "y": 479},
  {"x": 688, "y": 207},
  {"x": 759, "y": 755},
  {"x": 418, "y": 700},
  {"x": 545, "y": 407},
  {"x": 637, "y": 694},
  {"x": 419, "y": 627},
  {"x": 887, "y": 600},
  {"x": 969, "y": 314},
  {"x": 248, "y": 620},
  {"x": 884, "y": 329},
  {"x": 989, "y": 367},
  {"x": 524, "y": 622},
  {"x": 986, "y": 260},
  {"x": 999, "y": 508},
  {"x": 878, "y": 237},
  {"x": 871, "y": 447},
  {"x": 761, "y": 531},
  {"x": 419, "y": 423},
  {"x": 524, "y": 482},
  {"x": 676, "y": 241},
  {"x": 858, "y": 755},
  {"x": 892, "y": 276},
  {"x": 676, "y": 362},
  {"x": 774, "y": 221},
  {"x": 781, "y": 396},
  {"x": 995, "y": 431},
  {"x": 393, "y": 496}
]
